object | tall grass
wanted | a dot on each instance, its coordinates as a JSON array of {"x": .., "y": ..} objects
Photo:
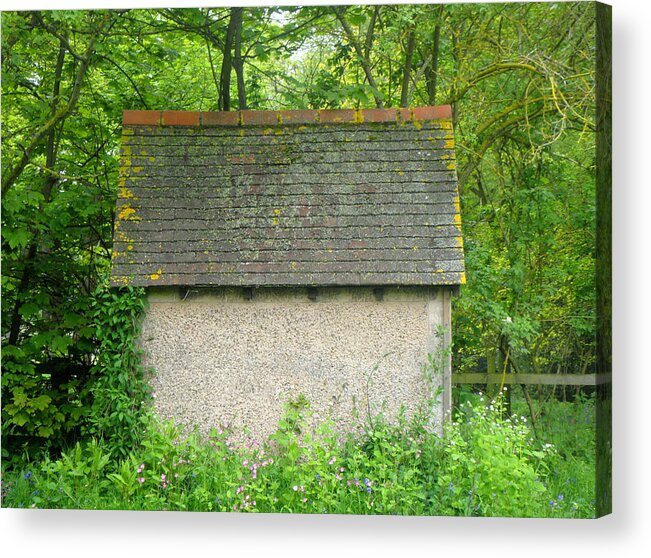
[{"x": 482, "y": 465}]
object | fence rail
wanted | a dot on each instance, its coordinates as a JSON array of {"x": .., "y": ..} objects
[{"x": 533, "y": 379}]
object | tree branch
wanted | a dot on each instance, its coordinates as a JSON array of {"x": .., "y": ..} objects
[
  {"x": 9, "y": 177},
  {"x": 366, "y": 66}
]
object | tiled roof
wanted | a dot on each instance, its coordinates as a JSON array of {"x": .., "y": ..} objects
[{"x": 257, "y": 198}]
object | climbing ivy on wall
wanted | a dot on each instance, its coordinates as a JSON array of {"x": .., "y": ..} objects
[{"x": 120, "y": 384}]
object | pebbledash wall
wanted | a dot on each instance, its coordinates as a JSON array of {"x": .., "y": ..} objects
[
  {"x": 291, "y": 252},
  {"x": 223, "y": 359}
]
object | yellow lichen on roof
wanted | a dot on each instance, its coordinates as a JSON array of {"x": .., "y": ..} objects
[{"x": 127, "y": 213}]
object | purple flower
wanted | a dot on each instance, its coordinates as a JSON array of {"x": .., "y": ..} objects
[{"x": 560, "y": 497}]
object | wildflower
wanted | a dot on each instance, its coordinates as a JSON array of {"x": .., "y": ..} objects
[
  {"x": 28, "y": 476},
  {"x": 162, "y": 477},
  {"x": 245, "y": 462},
  {"x": 560, "y": 498},
  {"x": 295, "y": 488},
  {"x": 141, "y": 468},
  {"x": 331, "y": 462},
  {"x": 141, "y": 480}
]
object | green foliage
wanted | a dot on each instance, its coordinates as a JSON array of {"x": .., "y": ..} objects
[
  {"x": 490, "y": 466},
  {"x": 568, "y": 427},
  {"x": 120, "y": 386},
  {"x": 523, "y": 102},
  {"x": 480, "y": 466}
]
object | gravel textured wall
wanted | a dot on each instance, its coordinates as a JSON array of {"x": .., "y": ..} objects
[{"x": 220, "y": 358}]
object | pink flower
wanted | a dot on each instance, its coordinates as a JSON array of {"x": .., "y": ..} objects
[
  {"x": 295, "y": 488},
  {"x": 331, "y": 462},
  {"x": 141, "y": 480},
  {"x": 245, "y": 462},
  {"x": 162, "y": 477}
]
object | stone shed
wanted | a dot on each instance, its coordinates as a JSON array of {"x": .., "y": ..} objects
[{"x": 291, "y": 252}]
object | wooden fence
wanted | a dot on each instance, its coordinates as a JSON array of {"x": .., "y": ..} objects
[{"x": 533, "y": 379}]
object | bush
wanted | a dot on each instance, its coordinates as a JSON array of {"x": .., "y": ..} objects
[
  {"x": 482, "y": 465},
  {"x": 490, "y": 465}
]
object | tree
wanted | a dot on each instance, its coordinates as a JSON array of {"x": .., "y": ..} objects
[{"x": 523, "y": 106}]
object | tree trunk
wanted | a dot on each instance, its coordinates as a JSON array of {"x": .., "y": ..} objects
[
  {"x": 224, "y": 101},
  {"x": 50, "y": 181},
  {"x": 432, "y": 75},
  {"x": 238, "y": 62},
  {"x": 409, "y": 56}
]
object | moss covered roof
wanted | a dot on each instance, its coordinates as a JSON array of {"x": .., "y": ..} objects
[{"x": 257, "y": 198}]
